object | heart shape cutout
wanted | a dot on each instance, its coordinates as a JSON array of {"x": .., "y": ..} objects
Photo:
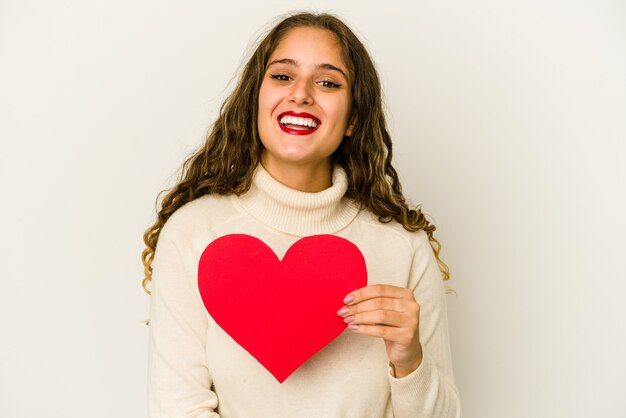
[{"x": 281, "y": 312}]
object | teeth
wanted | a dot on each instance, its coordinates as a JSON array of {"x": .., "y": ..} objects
[{"x": 292, "y": 120}]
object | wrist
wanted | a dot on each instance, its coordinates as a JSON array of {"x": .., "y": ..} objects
[{"x": 403, "y": 370}]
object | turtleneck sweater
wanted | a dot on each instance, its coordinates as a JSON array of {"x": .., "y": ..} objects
[{"x": 197, "y": 370}]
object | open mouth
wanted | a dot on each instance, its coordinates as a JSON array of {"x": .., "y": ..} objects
[{"x": 298, "y": 123}]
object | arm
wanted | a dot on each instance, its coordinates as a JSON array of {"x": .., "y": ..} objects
[
  {"x": 413, "y": 323},
  {"x": 179, "y": 384},
  {"x": 430, "y": 390}
]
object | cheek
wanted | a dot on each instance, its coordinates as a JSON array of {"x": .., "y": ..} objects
[
  {"x": 268, "y": 98},
  {"x": 262, "y": 98},
  {"x": 340, "y": 105},
  {"x": 341, "y": 112}
]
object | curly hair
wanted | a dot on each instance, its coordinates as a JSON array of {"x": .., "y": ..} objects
[{"x": 226, "y": 162}]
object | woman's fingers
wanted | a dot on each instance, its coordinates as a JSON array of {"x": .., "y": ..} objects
[
  {"x": 383, "y": 303},
  {"x": 390, "y": 313},
  {"x": 403, "y": 336},
  {"x": 378, "y": 291},
  {"x": 377, "y": 298},
  {"x": 378, "y": 317},
  {"x": 375, "y": 307}
]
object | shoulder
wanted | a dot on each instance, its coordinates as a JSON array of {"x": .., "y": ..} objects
[
  {"x": 394, "y": 251},
  {"x": 201, "y": 214},
  {"x": 416, "y": 240}
]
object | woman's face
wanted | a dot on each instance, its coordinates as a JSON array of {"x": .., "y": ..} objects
[{"x": 304, "y": 100}]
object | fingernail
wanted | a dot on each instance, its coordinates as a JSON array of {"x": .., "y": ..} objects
[
  {"x": 343, "y": 311},
  {"x": 348, "y": 299},
  {"x": 353, "y": 327},
  {"x": 349, "y": 319}
]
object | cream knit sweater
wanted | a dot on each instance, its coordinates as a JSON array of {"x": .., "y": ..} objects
[{"x": 197, "y": 370}]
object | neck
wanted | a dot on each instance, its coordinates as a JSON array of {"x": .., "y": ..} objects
[
  {"x": 310, "y": 178},
  {"x": 296, "y": 212}
]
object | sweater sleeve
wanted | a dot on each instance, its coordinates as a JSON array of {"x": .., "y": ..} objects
[
  {"x": 430, "y": 390},
  {"x": 179, "y": 383}
]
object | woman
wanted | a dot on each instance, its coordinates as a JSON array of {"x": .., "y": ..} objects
[{"x": 300, "y": 149}]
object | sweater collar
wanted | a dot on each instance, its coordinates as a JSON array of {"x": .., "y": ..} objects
[{"x": 299, "y": 213}]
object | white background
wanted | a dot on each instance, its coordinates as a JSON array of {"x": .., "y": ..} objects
[{"x": 509, "y": 127}]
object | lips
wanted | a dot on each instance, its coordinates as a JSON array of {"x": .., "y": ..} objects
[{"x": 298, "y": 123}]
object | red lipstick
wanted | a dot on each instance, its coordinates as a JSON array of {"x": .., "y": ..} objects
[{"x": 302, "y": 129}]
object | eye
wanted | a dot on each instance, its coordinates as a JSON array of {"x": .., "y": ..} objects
[
  {"x": 329, "y": 84},
  {"x": 280, "y": 77}
]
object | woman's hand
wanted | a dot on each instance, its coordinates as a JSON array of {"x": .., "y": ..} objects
[{"x": 391, "y": 313}]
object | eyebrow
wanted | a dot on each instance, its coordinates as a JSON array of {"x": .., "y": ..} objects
[{"x": 324, "y": 66}]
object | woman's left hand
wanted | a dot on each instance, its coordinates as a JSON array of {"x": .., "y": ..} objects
[{"x": 391, "y": 313}]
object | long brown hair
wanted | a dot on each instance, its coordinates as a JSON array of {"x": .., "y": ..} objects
[{"x": 232, "y": 150}]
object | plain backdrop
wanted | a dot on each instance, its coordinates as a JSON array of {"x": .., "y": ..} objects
[{"x": 509, "y": 125}]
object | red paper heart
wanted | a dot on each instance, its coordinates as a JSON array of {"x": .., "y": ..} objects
[{"x": 281, "y": 312}]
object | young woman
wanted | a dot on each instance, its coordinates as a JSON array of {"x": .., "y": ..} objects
[{"x": 300, "y": 149}]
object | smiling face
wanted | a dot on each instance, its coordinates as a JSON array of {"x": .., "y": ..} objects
[{"x": 304, "y": 101}]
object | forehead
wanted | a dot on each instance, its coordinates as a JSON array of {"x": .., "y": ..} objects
[{"x": 310, "y": 45}]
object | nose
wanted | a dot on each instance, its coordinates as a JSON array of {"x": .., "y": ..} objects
[{"x": 301, "y": 93}]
